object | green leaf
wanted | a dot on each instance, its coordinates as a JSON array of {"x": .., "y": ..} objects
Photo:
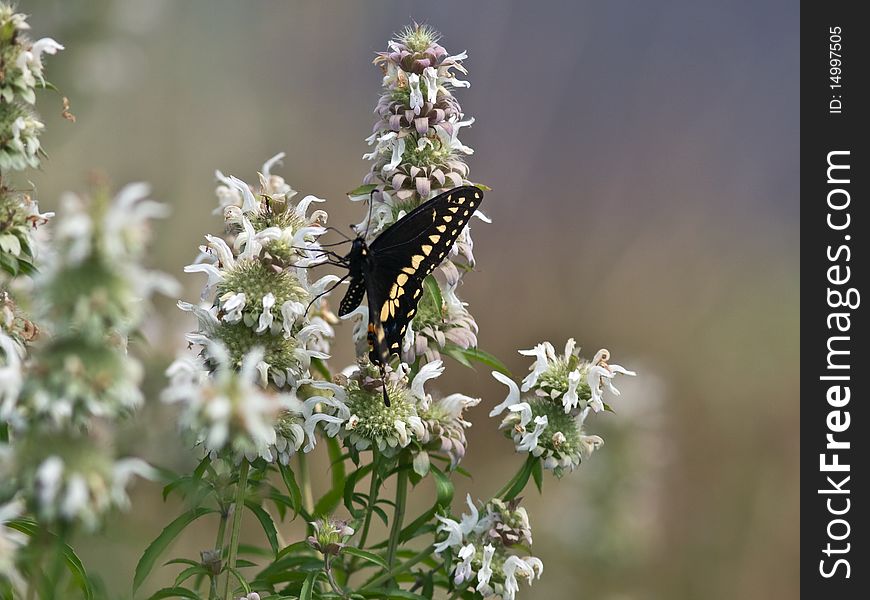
[
  {"x": 482, "y": 186},
  {"x": 162, "y": 541},
  {"x": 190, "y": 572},
  {"x": 487, "y": 359},
  {"x": 521, "y": 479},
  {"x": 174, "y": 592},
  {"x": 363, "y": 190},
  {"x": 457, "y": 354},
  {"x": 266, "y": 522},
  {"x": 292, "y": 487},
  {"x": 241, "y": 580},
  {"x": 331, "y": 499},
  {"x": 443, "y": 487},
  {"x": 321, "y": 368},
  {"x": 538, "y": 476},
  {"x": 307, "y": 592},
  {"x": 350, "y": 491},
  {"x": 367, "y": 556},
  {"x": 73, "y": 562},
  {"x": 432, "y": 288}
]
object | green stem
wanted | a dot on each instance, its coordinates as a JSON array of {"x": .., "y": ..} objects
[
  {"x": 504, "y": 490},
  {"x": 239, "y": 507},
  {"x": 219, "y": 546},
  {"x": 305, "y": 476},
  {"x": 55, "y": 574},
  {"x": 457, "y": 593},
  {"x": 399, "y": 513},
  {"x": 374, "y": 485},
  {"x": 405, "y": 566}
]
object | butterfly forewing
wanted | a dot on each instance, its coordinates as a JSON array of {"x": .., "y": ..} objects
[{"x": 402, "y": 257}]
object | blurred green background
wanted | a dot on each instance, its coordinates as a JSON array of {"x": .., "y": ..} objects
[{"x": 643, "y": 159}]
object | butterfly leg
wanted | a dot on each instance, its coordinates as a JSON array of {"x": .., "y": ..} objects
[{"x": 378, "y": 354}]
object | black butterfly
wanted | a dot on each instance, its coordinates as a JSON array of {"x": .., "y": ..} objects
[{"x": 391, "y": 270}]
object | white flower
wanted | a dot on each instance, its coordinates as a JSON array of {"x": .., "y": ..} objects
[
  {"x": 11, "y": 541},
  {"x": 463, "y": 571},
  {"x": 485, "y": 573},
  {"x": 10, "y": 377},
  {"x": 543, "y": 354},
  {"x": 229, "y": 410},
  {"x": 529, "y": 441},
  {"x": 416, "y": 99},
  {"x": 589, "y": 444},
  {"x": 599, "y": 377},
  {"x": 514, "y": 566},
  {"x": 512, "y": 398},
  {"x": 456, "y": 531}
]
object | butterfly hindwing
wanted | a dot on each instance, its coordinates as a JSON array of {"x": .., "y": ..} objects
[{"x": 353, "y": 297}]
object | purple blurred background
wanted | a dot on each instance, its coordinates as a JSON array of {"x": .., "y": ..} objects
[{"x": 644, "y": 165}]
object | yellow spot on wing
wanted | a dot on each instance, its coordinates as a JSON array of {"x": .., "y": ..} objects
[
  {"x": 394, "y": 291},
  {"x": 434, "y": 238},
  {"x": 415, "y": 261},
  {"x": 447, "y": 218},
  {"x": 385, "y": 311},
  {"x": 409, "y": 270},
  {"x": 441, "y": 228},
  {"x": 401, "y": 279},
  {"x": 427, "y": 249},
  {"x": 453, "y": 209}
]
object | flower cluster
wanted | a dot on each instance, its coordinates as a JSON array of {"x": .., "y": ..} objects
[
  {"x": 72, "y": 478},
  {"x": 19, "y": 220},
  {"x": 484, "y": 542},
  {"x": 561, "y": 391},
  {"x": 230, "y": 409},
  {"x": 417, "y": 154},
  {"x": 353, "y": 408},
  {"x": 21, "y": 71},
  {"x": 257, "y": 294},
  {"x": 330, "y": 535},
  {"x": 91, "y": 295},
  {"x": 78, "y": 378}
]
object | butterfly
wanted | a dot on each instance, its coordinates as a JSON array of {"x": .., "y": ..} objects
[{"x": 390, "y": 271}]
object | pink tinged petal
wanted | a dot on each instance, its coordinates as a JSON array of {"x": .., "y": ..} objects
[{"x": 423, "y": 186}]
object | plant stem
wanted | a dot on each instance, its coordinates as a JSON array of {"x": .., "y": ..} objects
[
  {"x": 239, "y": 507},
  {"x": 504, "y": 490},
  {"x": 374, "y": 485},
  {"x": 331, "y": 578},
  {"x": 405, "y": 566},
  {"x": 399, "y": 513},
  {"x": 305, "y": 476},
  {"x": 457, "y": 594},
  {"x": 55, "y": 574},
  {"x": 219, "y": 546}
]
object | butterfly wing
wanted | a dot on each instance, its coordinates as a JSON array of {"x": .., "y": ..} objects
[
  {"x": 354, "y": 295},
  {"x": 403, "y": 255}
]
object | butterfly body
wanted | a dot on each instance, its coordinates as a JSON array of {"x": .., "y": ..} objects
[{"x": 390, "y": 271}]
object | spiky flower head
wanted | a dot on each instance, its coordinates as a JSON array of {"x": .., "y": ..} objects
[
  {"x": 228, "y": 410},
  {"x": 560, "y": 392},
  {"x": 21, "y": 71},
  {"x": 91, "y": 296},
  {"x": 353, "y": 407},
  {"x": 71, "y": 478},
  {"x": 484, "y": 542},
  {"x": 257, "y": 292},
  {"x": 330, "y": 535}
]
